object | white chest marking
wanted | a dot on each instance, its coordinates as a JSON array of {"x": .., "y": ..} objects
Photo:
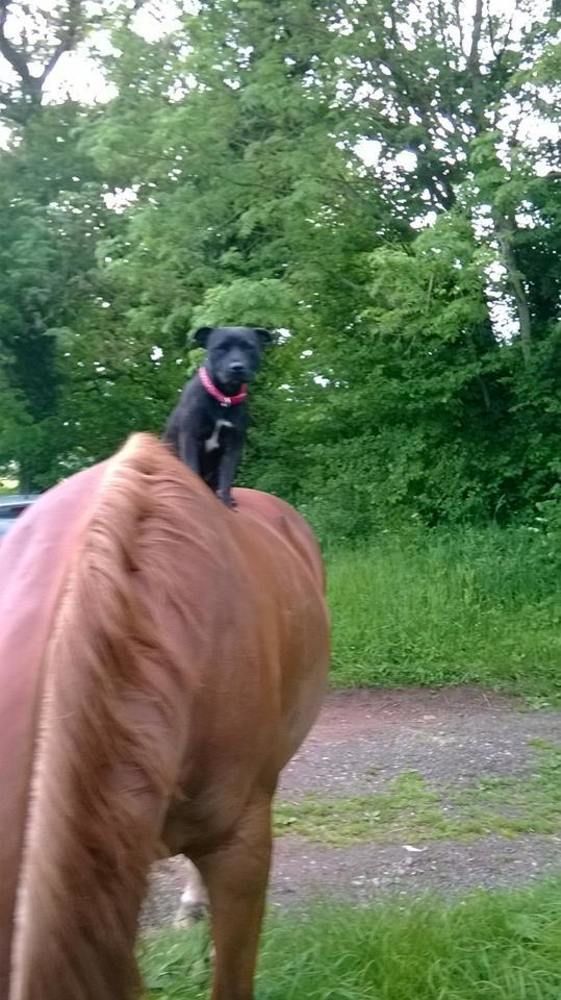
[{"x": 213, "y": 442}]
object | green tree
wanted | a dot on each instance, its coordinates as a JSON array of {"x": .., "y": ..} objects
[{"x": 355, "y": 174}]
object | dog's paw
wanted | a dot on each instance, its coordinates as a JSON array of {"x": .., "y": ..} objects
[{"x": 227, "y": 500}]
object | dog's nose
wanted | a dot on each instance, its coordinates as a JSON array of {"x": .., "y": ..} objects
[{"x": 236, "y": 368}]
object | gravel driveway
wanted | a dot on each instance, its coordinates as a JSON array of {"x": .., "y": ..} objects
[{"x": 362, "y": 741}]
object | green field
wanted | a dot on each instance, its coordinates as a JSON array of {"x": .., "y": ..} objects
[
  {"x": 441, "y": 607},
  {"x": 500, "y": 946}
]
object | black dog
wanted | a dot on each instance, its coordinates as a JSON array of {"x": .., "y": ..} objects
[{"x": 208, "y": 426}]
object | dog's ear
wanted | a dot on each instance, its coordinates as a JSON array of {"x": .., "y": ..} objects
[
  {"x": 265, "y": 336},
  {"x": 200, "y": 336}
]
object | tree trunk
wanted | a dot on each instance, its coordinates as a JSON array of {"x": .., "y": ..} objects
[{"x": 505, "y": 229}]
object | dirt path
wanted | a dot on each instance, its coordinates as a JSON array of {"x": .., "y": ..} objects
[{"x": 364, "y": 740}]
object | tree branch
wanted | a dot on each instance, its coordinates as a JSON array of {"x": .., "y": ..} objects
[
  {"x": 492, "y": 38},
  {"x": 459, "y": 24},
  {"x": 505, "y": 229},
  {"x": 33, "y": 86},
  {"x": 67, "y": 42},
  {"x": 11, "y": 54},
  {"x": 137, "y": 5},
  {"x": 473, "y": 58}
]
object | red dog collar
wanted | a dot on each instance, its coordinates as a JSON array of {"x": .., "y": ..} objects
[{"x": 216, "y": 394}]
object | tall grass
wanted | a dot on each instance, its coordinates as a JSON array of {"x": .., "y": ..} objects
[
  {"x": 449, "y": 606},
  {"x": 490, "y": 947}
]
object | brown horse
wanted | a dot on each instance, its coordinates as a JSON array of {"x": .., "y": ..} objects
[{"x": 161, "y": 659}]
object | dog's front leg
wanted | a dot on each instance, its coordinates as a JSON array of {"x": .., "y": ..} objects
[
  {"x": 227, "y": 473},
  {"x": 189, "y": 451}
]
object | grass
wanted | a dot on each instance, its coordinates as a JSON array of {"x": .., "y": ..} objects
[
  {"x": 441, "y": 607},
  {"x": 413, "y": 812},
  {"x": 408, "y": 805},
  {"x": 491, "y": 946}
]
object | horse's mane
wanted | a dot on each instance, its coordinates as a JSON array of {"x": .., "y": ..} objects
[{"x": 112, "y": 732}]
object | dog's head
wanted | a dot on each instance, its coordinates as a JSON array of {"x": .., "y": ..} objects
[{"x": 233, "y": 353}]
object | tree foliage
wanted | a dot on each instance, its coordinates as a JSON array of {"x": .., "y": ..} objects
[{"x": 358, "y": 174}]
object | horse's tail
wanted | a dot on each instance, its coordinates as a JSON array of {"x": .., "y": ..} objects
[{"x": 110, "y": 742}]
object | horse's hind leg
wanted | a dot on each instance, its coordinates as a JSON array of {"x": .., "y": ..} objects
[{"x": 236, "y": 877}]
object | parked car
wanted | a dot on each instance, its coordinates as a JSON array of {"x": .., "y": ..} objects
[{"x": 11, "y": 506}]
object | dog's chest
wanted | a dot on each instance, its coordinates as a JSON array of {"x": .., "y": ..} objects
[{"x": 213, "y": 442}]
